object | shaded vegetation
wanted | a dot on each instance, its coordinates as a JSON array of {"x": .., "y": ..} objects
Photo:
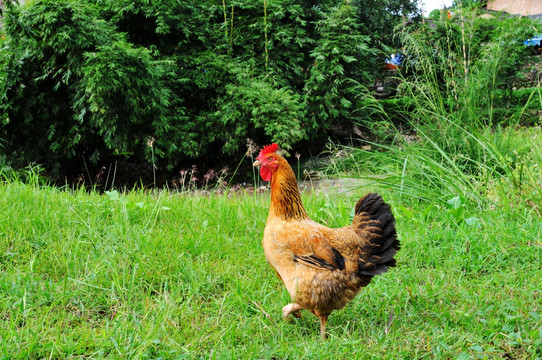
[{"x": 87, "y": 83}]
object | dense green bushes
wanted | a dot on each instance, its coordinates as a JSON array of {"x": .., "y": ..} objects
[
  {"x": 73, "y": 89},
  {"x": 84, "y": 83}
]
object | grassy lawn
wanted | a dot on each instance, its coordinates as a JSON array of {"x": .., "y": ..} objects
[{"x": 171, "y": 276}]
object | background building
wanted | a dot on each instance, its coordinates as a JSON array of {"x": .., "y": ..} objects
[{"x": 517, "y": 7}]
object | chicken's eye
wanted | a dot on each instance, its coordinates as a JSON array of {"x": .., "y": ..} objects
[{"x": 270, "y": 158}]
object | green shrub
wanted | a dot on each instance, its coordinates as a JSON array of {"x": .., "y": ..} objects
[
  {"x": 86, "y": 83},
  {"x": 464, "y": 140},
  {"x": 340, "y": 59},
  {"x": 73, "y": 89},
  {"x": 464, "y": 64},
  {"x": 276, "y": 113}
]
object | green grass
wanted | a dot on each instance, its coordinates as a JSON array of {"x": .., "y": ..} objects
[{"x": 160, "y": 275}]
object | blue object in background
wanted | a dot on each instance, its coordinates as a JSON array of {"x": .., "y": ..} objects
[
  {"x": 533, "y": 41},
  {"x": 395, "y": 59}
]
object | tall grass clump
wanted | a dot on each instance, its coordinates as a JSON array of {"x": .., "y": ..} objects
[{"x": 465, "y": 139}]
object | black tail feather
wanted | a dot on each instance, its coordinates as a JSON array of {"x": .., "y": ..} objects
[{"x": 376, "y": 217}]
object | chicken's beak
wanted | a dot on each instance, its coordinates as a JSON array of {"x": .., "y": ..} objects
[{"x": 257, "y": 163}]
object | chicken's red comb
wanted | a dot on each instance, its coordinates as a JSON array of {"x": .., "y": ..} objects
[{"x": 267, "y": 149}]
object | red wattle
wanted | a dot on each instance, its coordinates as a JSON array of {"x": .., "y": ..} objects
[{"x": 265, "y": 173}]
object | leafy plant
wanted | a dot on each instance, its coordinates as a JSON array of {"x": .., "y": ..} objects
[
  {"x": 258, "y": 111},
  {"x": 340, "y": 57},
  {"x": 463, "y": 64},
  {"x": 88, "y": 83},
  {"x": 455, "y": 73},
  {"x": 73, "y": 89}
]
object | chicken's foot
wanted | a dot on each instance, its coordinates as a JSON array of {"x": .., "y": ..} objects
[{"x": 293, "y": 309}]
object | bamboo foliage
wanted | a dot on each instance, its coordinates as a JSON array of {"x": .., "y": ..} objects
[{"x": 101, "y": 78}]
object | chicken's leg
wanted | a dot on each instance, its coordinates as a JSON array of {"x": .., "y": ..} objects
[
  {"x": 323, "y": 320},
  {"x": 293, "y": 309}
]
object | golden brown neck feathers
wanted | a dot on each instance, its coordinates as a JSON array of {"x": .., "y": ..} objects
[{"x": 285, "y": 198}]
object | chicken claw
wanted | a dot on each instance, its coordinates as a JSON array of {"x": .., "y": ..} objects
[{"x": 293, "y": 309}]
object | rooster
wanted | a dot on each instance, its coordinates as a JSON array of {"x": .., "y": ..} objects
[{"x": 322, "y": 268}]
